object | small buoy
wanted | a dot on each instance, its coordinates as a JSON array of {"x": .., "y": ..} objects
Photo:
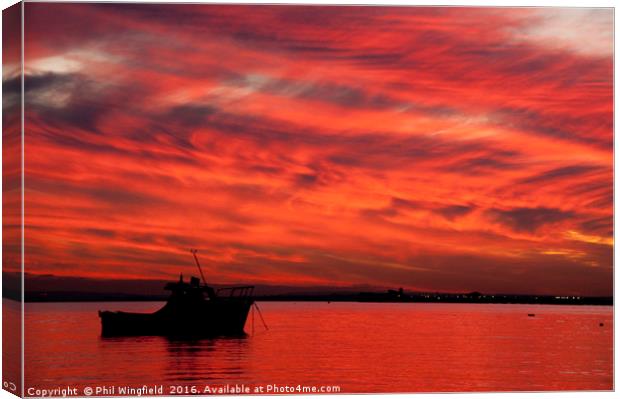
[{"x": 531, "y": 314}]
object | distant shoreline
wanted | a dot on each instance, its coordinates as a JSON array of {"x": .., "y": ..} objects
[
  {"x": 48, "y": 288},
  {"x": 41, "y": 297}
]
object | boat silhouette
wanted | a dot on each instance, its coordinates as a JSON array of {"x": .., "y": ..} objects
[{"x": 194, "y": 309}]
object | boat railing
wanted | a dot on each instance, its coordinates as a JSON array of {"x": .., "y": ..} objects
[{"x": 237, "y": 292}]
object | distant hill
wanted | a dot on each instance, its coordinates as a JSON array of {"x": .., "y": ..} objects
[{"x": 49, "y": 288}]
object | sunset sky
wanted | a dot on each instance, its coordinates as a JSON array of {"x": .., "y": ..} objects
[{"x": 448, "y": 149}]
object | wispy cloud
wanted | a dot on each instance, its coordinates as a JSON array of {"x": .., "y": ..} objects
[{"x": 321, "y": 145}]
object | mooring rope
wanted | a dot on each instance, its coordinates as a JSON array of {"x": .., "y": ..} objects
[
  {"x": 261, "y": 316},
  {"x": 252, "y": 321}
]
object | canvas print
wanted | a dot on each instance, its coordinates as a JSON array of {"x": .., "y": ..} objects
[{"x": 306, "y": 199}]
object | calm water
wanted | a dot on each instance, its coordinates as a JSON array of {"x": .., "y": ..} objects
[
  {"x": 11, "y": 345},
  {"x": 359, "y": 347}
]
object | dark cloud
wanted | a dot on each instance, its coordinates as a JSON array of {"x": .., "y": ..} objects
[
  {"x": 562, "y": 173},
  {"x": 306, "y": 179},
  {"x": 529, "y": 219},
  {"x": 603, "y": 226},
  {"x": 190, "y": 115},
  {"x": 104, "y": 233},
  {"x": 578, "y": 128},
  {"x": 109, "y": 196},
  {"x": 454, "y": 211},
  {"x": 67, "y": 100},
  {"x": 45, "y": 81},
  {"x": 491, "y": 162},
  {"x": 12, "y": 86},
  {"x": 400, "y": 205},
  {"x": 396, "y": 207},
  {"x": 604, "y": 200},
  {"x": 121, "y": 197}
]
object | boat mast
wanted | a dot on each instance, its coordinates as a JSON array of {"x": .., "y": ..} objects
[{"x": 194, "y": 251}]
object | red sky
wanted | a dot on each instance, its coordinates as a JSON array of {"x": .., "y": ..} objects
[{"x": 431, "y": 148}]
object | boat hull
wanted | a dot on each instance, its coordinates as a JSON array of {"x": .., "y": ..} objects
[{"x": 206, "y": 319}]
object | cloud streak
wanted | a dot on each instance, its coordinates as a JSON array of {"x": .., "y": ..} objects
[{"x": 441, "y": 148}]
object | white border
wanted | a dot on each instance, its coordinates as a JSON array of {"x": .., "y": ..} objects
[{"x": 475, "y": 3}]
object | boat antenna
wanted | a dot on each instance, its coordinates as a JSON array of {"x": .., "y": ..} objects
[{"x": 194, "y": 251}]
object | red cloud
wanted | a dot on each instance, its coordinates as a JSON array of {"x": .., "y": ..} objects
[{"x": 277, "y": 138}]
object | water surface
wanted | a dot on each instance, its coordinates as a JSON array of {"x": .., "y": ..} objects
[{"x": 361, "y": 347}]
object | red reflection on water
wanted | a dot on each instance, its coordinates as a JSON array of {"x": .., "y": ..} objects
[
  {"x": 11, "y": 346},
  {"x": 359, "y": 347}
]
